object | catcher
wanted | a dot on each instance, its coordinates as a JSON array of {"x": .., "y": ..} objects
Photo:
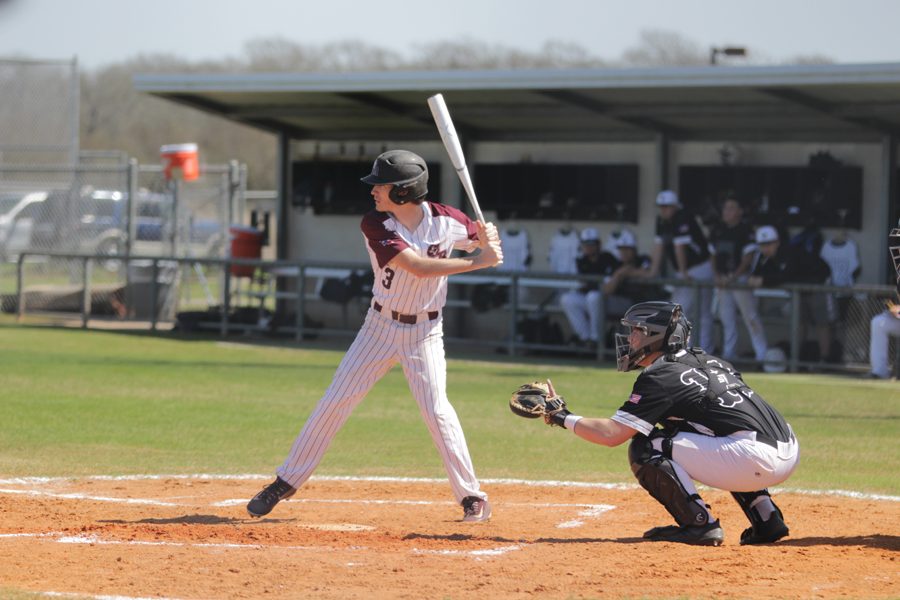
[{"x": 690, "y": 416}]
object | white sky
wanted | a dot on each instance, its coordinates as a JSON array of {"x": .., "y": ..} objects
[{"x": 100, "y": 32}]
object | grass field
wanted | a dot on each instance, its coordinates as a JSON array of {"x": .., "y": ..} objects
[{"x": 90, "y": 402}]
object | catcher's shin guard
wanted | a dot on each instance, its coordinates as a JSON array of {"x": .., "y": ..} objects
[
  {"x": 760, "y": 531},
  {"x": 657, "y": 475}
]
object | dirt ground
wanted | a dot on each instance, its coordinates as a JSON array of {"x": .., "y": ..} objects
[{"x": 190, "y": 538}]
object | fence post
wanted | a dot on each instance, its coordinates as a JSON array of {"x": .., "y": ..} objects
[
  {"x": 795, "y": 329},
  {"x": 601, "y": 325},
  {"x": 513, "y": 312},
  {"x": 86, "y": 265},
  {"x": 300, "y": 303},
  {"x": 20, "y": 288},
  {"x": 154, "y": 293},
  {"x": 226, "y": 300}
]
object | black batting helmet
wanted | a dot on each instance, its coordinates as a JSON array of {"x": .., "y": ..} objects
[
  {"x": 403, "y": 169},
  {"x": 665, "y": 329}
]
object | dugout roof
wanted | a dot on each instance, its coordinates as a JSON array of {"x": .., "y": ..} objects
[{"x": 835, "y": 103}]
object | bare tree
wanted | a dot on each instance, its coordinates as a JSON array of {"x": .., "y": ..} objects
[{"x": 659, "y": 48}]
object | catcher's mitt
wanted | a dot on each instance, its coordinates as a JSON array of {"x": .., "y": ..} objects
[{"x": 539, "y": 399}]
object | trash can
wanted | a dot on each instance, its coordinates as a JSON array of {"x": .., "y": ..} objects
[
  {"x": 139, "y": 294},
  {"x": 246, "y": 242}
]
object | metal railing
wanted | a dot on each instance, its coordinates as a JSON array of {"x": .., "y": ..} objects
[{"x": 279, "y": 288}]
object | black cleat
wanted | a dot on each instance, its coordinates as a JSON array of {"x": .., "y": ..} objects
[
  {"x": 710, "y": 534},
  {"x": 476, "y": 509},
  {"x": 766, "y": 532},
  {"x": 263, "y": 503}
]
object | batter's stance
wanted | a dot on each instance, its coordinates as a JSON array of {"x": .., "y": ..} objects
[
  {"x": 409, "y": 241},
  {"x": 714, "y": 429}
]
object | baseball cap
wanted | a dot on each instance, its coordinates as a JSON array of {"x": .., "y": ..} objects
[
  {"x": 590, "y": 235},
  {"x": 667, "y": 198},
  {"x": 766, "y": 234},
  {"x": 625, "y": 240}
]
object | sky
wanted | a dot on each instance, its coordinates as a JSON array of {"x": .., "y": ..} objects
[{"x": 104, "y": 32}]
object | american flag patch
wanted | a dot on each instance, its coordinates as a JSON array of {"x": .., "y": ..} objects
[{"x": 634, "y": 398}]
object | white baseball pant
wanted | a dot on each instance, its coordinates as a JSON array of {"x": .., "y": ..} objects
[
  {"x": 882, "y": 326},
  {"x": 685, "y": 296},
  {"x": 730, "y": 301},
  {"x": 380, "y": 344}
]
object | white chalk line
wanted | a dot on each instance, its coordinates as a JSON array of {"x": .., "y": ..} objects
[
  {"x": 385, "y": 479},
  {"x": 99, "y": 597},
  {"x": 72, "y": 496}
]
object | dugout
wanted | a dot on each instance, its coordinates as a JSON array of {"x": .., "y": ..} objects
[{"x": 786, "y": 138}]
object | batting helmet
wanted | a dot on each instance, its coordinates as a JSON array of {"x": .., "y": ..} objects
[
  {"x": 665, "y": 329},
  {"x": 403, "y": 169}
]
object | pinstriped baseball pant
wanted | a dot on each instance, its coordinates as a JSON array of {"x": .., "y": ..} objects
[{"x": 380, "y": 344}]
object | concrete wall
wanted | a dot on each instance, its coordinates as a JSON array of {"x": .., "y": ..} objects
[{"x": 322, "y": 237}]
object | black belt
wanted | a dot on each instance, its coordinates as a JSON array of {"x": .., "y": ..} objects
[
  {"x": 761, "y": 437},
  {"x": 407, "y": 319}
]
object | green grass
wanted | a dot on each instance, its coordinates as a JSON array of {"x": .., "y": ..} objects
[{"x": 89, "y": 402}]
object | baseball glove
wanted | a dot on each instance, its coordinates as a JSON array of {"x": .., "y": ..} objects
[{"x": 539, "y": 399}]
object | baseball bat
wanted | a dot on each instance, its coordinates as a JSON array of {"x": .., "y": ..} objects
[{"x": 454, "y": 149}]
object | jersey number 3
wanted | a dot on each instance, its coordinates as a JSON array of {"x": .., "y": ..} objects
[{"x": 388, "y": 278}]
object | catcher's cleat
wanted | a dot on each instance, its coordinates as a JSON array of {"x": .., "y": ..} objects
[
  {"x": 710, "y": 534},
  {"x": 476, "y": 509},
  {"x": 766, "y": 532},
  {"x": 263, "y": 503}
]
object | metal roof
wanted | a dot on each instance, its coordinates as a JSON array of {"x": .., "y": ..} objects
[{"x": 835, "y": 103}]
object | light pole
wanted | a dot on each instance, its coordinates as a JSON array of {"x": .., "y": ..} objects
[{"x": 714, "y": 52}]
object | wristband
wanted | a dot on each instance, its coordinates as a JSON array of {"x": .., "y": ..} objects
[{"x": 570, "y": 421}]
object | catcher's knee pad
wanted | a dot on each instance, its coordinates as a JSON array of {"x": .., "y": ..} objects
[
  {"x": 748, "y": 501},
  {"x": 656, "y": 474}
]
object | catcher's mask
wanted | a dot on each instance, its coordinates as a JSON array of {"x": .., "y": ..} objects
[
  {"x": 403, "y": 169},
  {"x": 664, "y": 327}
]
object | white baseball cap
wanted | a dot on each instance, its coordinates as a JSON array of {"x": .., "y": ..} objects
[
  {"x": 667, "y": 198},
  {"x": 590, "y": 235},
  {"x": 625, "y": 240},
  {"x": 766, "y": 234}
]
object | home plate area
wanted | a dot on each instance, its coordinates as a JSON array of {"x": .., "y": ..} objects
[{"x": 190, "y": 537}]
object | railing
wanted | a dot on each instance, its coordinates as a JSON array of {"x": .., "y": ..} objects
[{"x": 281, "y": 287}]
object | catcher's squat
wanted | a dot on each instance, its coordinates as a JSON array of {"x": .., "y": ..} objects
[
  {"x": 409, "y": 241},
  {"x": 714, "y": 429}
]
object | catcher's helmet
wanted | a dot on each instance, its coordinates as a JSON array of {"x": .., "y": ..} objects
[
  {"x": 665, "y": 329},
  {"x": 403, "y": 169}
]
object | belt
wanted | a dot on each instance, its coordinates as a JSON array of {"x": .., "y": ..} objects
[
  {"x": 407, "y": 319},
  {"x": 761, "y": 437}
]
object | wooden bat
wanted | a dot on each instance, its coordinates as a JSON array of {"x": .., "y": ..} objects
[{"x": 454, "y": 149}]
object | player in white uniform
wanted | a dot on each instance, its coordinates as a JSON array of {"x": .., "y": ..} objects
[{"x": 409, "y": 241}]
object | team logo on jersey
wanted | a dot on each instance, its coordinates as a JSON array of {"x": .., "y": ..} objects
[
  {"x": 634, "y": 398},
  {"x": 434, "y": 251}
]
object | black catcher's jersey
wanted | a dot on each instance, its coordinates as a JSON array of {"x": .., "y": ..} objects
[
  {"x": 682, "y": 230},
  {"x": 697, "y": 392}
]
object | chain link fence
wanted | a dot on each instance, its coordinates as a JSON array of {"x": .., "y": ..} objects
[
  {"x": 510, "y": 314},
  {"x": 39, "y": 104},
  {"x": 110, "y": 209}
]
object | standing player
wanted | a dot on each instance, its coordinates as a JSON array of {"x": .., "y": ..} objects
[
  {"x": 714, "y": 429},
  {"x": 681, "y": 242},
  {"x": 734, "y": 249},
  {"x": 409, "y": 242},
  {"x": 888, "y": 322}
]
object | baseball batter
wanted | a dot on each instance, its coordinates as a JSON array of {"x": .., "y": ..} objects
[
  {"x": 409, "y": 241},
  {"x": 714, "y": 429}
]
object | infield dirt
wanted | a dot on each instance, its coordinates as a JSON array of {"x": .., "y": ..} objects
[{"x": 190, "y": 538}]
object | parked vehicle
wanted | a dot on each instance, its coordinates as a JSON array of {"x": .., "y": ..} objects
[{"x": 96, "y": 222}]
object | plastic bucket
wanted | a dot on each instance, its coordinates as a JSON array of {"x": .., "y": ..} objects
[
  {"x": 246, "y": 242},
  {"x": 180, "y": 161}
]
